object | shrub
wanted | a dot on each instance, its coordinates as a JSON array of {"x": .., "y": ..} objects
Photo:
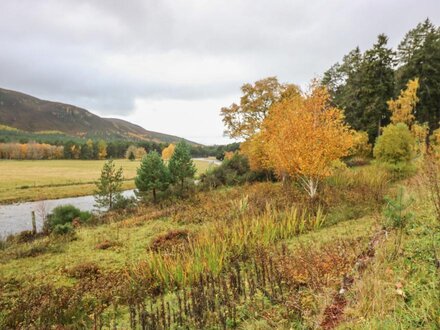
[
  {"x": 361, "y": 148},
  {"x": 65, "y": 214},
  {"x": 123, "y": 203},
  {"x": 395, "y": 148},
  {"x": 63, "y": 229},
  {"x": 233, "y": 171}
]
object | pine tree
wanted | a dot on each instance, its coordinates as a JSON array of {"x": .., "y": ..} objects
[
  {"x": 377, "y": 86},
  {"x": 419, "y": 56},
  {"x": 152, "y": 175},
  {"x": 362, "y": 85},
  {"x": 344, "y": 82},
  {"x": 181, "y": 165},
  {"x": 109, "y": 185}
]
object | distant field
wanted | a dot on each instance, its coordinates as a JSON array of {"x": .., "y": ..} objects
[{"x": 28, "y": 180}]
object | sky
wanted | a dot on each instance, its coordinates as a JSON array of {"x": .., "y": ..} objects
[{"x": 170, "y": 66}]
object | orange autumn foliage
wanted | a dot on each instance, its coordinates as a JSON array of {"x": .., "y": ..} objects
[
  {"x": 304, "y": 134},
  {"x": 254, "y": 149},
  {"x": 168, "y": 152}
]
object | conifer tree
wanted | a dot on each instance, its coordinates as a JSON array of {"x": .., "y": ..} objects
[
  {"x": 181, "y": 165},
  {"x": 109, "y": 185},
  {"x": 152, "y": 175}
]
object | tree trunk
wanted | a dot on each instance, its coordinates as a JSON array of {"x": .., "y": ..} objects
[
  {"x": 378, "y": 127},
  {"x": 154, "y": 195},
  {"x": 310, "y": 185}
]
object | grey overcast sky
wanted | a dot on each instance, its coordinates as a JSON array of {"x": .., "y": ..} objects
[{"x": 170, "y": 66}]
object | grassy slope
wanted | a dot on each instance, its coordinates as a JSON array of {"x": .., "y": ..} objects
[
  {"x": 373, "y": 302},
  {"x": 376, "y": 302},
  {"x": 29, "y": 180},
  {"x": 134, "y": 235}
]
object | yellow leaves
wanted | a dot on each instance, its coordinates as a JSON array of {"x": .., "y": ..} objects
[
  {"x": 435, "y": 143},
  {"x": 102, "y": 149},
  {"x": 420, "y": 132},
  {"x": 304, "y": 135},
  {"x": 167, "y": 153},
  {"x": 255, "y": 150},
  {"x": 402, "y": 108},
  {"x": 245, "y": 119},
  {"x": 361, "y": 147},
  {"x": 402, "y": 111}
]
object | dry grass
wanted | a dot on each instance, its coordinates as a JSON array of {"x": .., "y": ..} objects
[{"x": 31, "y": 180}]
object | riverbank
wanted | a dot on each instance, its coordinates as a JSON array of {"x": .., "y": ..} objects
[
  {"x": 35, "y": 180},
  {"x": 245, "y": 252},
  {"x": 17, "y": 217}
]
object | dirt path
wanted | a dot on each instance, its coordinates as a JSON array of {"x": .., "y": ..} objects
[{"x": 334, "y": 313}]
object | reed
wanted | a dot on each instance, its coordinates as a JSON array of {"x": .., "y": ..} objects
[{"x": 218, "y": 245}]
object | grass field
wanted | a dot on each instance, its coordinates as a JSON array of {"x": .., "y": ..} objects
[
  {"x": 268, "y": 267},
  {"x": 28, "y": 180}
]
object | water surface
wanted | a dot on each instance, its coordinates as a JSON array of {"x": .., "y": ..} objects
[{"x": 17, "y": 217}]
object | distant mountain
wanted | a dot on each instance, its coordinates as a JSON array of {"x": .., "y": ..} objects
[{"x": 28, "y": 113}]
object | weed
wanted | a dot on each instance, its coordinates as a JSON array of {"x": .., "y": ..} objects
[
  {"x": 82, "y": 270},
  {"x": 397, "y": 215},
  {"x": 107, "y": 244}
]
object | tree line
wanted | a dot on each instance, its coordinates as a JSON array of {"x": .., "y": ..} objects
[
  {"x": 363, "y": 82},
  {"x": 31, "y": 150},
  {"x": 96, "y": 149}
]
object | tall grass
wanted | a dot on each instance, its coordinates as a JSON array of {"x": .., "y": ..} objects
[{"x": 218, "y": 245}]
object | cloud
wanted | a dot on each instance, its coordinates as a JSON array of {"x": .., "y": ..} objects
[{"x": 106, "y": 55}]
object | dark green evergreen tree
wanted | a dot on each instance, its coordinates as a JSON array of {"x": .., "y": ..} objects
[
  {"x": 377, "y": 86},
  {"x": 344, "y": 84},
  {"x": 362, "y": 85},
  {"x": 152, "y": 175},
  {"x": 419, "y": 56},
  {"x": 181, "y": 165}
]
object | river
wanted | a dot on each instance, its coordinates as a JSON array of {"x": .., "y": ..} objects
[{"x": 16, "y": 217}]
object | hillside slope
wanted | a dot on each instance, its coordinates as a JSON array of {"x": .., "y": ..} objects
[{"x": 28, "y": 113}]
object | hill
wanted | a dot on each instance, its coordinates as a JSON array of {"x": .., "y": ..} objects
[{"x": 30, "y": 114}]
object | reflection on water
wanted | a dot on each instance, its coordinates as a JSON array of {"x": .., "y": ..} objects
[{"x": 15, "y": 218}]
